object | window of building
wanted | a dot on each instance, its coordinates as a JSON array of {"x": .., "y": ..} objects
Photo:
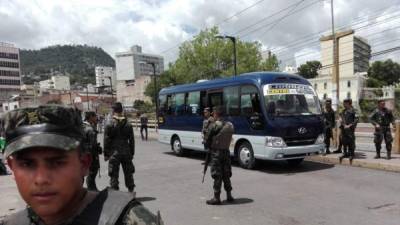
[
  {"x": 249, "y": 100},
  {"x": 315, "y": 86},
  {"x": 231, "y": 100},
  {"x": 348, "y": 83},
  {"x": 348, "y": 95},
  {"x": 193, "y": 103},
  {"x": 325, "y": 86},
  {"x": 325, "y": 96}
]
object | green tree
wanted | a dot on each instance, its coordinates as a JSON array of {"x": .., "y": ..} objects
[
  {"x": 271, "y": 63},
  {"x": 208, "y": 57},
  {"x": 384, "y": 72},
  {"x": 309, "y": 69}
]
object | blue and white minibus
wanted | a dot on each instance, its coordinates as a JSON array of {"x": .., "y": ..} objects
[{"x": 277, "y": 116}]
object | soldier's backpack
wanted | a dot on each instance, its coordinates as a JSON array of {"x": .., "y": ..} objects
[{"x": 222, "y": 140}]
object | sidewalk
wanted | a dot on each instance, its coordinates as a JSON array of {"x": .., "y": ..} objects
[{"x": 363, "y": 159}]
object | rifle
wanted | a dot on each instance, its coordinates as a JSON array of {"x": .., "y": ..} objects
[{"x": 206, "y": 162}]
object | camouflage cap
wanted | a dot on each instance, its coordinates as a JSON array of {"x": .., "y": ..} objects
[{"x": 44, "y": 126}]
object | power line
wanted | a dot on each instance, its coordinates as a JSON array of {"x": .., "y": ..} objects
[
  {"x": 307, "y": 38},
  {"x": 266, "y": 18},
  {"x": 219, "y": 23},
  {"x": 294, "y": 12},
  {"x": 238, "y": 13}
]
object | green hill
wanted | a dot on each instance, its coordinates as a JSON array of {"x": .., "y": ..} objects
[{"x": 76, "y": 60}]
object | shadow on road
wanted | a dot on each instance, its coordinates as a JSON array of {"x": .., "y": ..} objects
[
  {"x": 273, "y": 167},
  {"x": 238, "y": 201},
  {"x": 281, "y": 167},
  {"x": 145, "y": 199}
]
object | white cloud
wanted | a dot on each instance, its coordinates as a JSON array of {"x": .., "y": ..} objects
[{"x": 158, "y": 25}]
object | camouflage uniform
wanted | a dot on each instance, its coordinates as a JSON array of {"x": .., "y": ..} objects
[
  {"x": 348, "y": 117},
  {"x": 92, "y": 146},
  {"x": 220, "y": 136},
  {"x": 60, "y": 128},
  {"x": 119, "y": 146},
  {"x": 205, "y": 132},
  {"x": 329, "y": 122},
  {"x": 383, "y": 118}
]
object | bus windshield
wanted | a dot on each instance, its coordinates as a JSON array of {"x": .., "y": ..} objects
[{"x": 291, "y": 100}]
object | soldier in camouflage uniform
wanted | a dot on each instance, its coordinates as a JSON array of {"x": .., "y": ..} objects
[
  {"x": 119, "y": 148},
  {"x": 348, "y": 124},
  {"x": 329, "y": 122},
  {"x": 219, "y": 138},
  {"x": 44, "y": 150},
  {"x": 208, "y": 120},
  {"x": 92, "y": 146},
  {"x": 381, "y": 118}
]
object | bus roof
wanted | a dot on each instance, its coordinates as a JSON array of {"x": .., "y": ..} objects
[{"x": 256, "y": 78}]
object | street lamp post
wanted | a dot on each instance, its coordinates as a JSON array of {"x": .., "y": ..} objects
[
  {"x": 112, "y": 94},
  {"x": 233, "y": 39},
  {"x": 155, "y": 88}
]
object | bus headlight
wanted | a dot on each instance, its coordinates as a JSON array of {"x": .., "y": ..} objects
[
  {"x": 320, "y": 139},
  {"x": 274, "y": 142}
]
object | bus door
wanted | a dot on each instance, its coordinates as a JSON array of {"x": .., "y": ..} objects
[{"x": 250, "y": 109}]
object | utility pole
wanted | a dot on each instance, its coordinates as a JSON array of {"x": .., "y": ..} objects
[
  {"x": 87, "y": 97},
  {"x": 335, "y": 65}
]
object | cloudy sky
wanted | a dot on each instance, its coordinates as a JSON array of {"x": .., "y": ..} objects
[{"x": 290, "y": 28}]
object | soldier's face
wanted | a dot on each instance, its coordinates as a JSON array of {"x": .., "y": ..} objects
[
  {"x": 50, "y": 180},
  {"x": 381, "y": 104},
  {"x": 206, "y": 114}
]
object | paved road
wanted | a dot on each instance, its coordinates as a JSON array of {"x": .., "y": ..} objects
[{"x": 274, "y": 194}]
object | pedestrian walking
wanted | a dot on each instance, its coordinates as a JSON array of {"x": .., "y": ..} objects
[
  {"x": 381, "y": 118},
  {"x": 119, "y": 148},
  {"x": 44, "y": 150},
  {"x": 93, "y": 147},
  {"x": 329, "y": 124},
  {"x": 219, "y": 140},
  {"x": 143, "y": 125},
  {"x": 348, "y": 125}
]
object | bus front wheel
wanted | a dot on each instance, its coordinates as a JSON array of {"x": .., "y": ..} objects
[
  {"x": 177, "y": 146},
  {"x": 246, "y": 156}
]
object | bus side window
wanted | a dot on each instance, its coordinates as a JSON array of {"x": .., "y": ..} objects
[
  {"x": 193, "y": 103},
  {"x": 231, "y": 101},
  {"x": 163, "y": 105},
  {"x": 250, "y": 102},
  {"x": 180, "y": 104},
  {"x": 170, "y": 104}
]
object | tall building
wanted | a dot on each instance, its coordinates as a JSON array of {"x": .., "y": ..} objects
[
  {"x": 134, "y": 74},
  {"x": 105, "y": 76},
  {"x": 10, "y": 78},
  {"x": 353, "y": 54}
]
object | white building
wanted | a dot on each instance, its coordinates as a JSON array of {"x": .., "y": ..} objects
[
  {"x": 10, "y": 78},
  {"x": 134, "y": 73},
  {"x": 56, "y": 83},
  {"x": 353, "y": 54},
  {"x": 105, "y": 76},
  {"x": 290, "y": 69}
]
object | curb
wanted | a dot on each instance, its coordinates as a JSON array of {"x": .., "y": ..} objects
[{"x": 387, "y": 166}]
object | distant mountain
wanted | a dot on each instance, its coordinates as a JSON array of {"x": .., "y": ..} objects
[{"x": 77, "y": 61}]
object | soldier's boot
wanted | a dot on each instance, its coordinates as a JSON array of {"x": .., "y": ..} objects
[
  {"x": 389, "y": 155},
  {"x": 229, "y": 197},
  {"x": 378, "y": 153},
  {"x": 131, "y": 190},
  {"x": 216, "y": 200}
]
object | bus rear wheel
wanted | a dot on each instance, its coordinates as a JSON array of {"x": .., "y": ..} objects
[
  {"x": 245, "y": 156},
  {"x": 294, "y": 162},
  {"x": 176, "y": 146}
]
